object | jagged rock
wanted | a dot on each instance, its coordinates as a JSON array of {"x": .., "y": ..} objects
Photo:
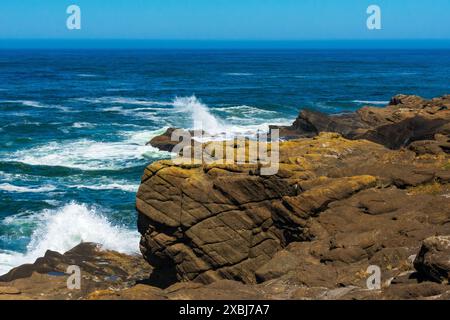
[
  {"x": 406, "y": 120},
  {"x": 310, "y": 123},
  {"x": 433, "y": 260},
  {"x": 164, "y": 141},
  {"x": 409, "y": 101},
  {"x": 441, "y": 143}
]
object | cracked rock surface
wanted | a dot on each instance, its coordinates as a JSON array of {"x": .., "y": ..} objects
[{"x": 335, "y": 207}]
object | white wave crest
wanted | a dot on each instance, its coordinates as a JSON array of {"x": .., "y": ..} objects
[
  {"x": 80, "y": 125},
  {"x": 12, "y": 188},
  {"x": 111, "y": 186},
  {"x": 87, "y": 75},
  {"x": 62, "y": 229},
  {"x": 201, "y": 117},
  {"x": 36, "y": 104},
  {"x": 371, "y": 102},
  {"x": 239, "y": 74},
  {"x": 245, "y": 110},
  {"x": 124, "y": 100}
]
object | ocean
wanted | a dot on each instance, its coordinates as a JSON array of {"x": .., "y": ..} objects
[{"x": 74, "y": 123}]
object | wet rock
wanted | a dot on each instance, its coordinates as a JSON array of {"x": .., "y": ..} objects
[{"x": 164, "y": 141}]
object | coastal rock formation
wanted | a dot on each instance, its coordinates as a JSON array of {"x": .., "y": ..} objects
[
  {"x": 375, "y": 192},
  {"x": 164, "y": 141},
  {"x": 335, "y": 207},
  {"x": 100, "y": 281},
  {"x": 405, "y": 120}
]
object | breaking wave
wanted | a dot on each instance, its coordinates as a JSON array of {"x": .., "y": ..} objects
[
  {"x": 62, "y": 229},
  {"x": 87, "y": 154},
  {"x": 12, "y": 188}
]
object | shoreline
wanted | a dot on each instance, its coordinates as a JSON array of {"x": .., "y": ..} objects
[{"x": 306, "y": 226}]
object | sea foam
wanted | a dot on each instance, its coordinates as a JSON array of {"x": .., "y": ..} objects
[
  {"x": 62, "y": 229},
  {"x": 12, "y": 188},
  {"x": 111, "y": 186},
  {"x": 218, "y": 129},
  {"x": 87, "y": 154},
  {"x": 202, "y": 119}
]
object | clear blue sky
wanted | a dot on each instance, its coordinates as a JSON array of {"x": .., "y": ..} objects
[{"x": 225, "y": 19}]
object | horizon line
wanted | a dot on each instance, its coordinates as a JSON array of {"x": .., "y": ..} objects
[{"x": 143, "y": 43}]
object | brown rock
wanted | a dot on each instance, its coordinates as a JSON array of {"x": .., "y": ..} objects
[
  {"x": 406, "y": 120},
  {"x": 244, "y": 219},
  {"x": 100, "y": 269},
  {"x": 282, "y": 263},
  {"x": 164, "y": 141},
  {"x": 417, "y": 291},
  {"x": 355, "y": 200},
  {"x": 433, "y": 260}
]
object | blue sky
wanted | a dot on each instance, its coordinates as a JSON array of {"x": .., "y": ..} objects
[{"x": 225, "y": 19}]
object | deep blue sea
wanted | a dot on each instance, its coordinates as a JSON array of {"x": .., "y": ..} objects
[{"x": 73, "y": 124}]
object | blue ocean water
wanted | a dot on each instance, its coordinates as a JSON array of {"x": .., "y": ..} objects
[{"x": 74, "y": 123}]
